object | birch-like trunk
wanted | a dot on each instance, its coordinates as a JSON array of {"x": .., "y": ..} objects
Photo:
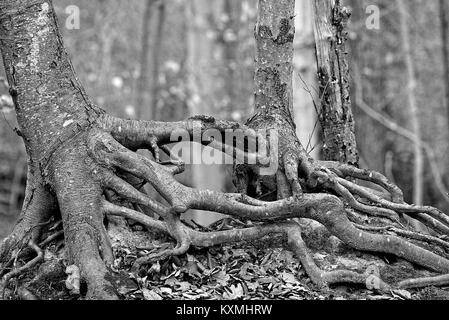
[
  {"x": 142, "y": 85},
  {"x": 418, "y": 166},
  {"x": 444, "y": 16},
  {"x": 156, "y": 60},
  {"x": 304, "y": 77}
]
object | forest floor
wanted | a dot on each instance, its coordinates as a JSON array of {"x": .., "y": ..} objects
[{"x": 260, "y": 270}]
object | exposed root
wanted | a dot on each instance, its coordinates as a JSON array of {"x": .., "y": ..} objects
[
  {"x": 343, "y": 170},
  {"x": 326, "y": 209},
  {"x": 408, "y": 234},
  {"x": 290, "y": 229},
  {"x": 24, "y": 268},
  {"x": 38, "y": 206},
  {"x": 141, "y": 134},
  {"x": 396, "y": 207},
  {"x": 323, "y": 279},
  {"x": 437, "y": 281},
  {"x": 102, "y": 162},
  {"x": 79, "y": 196}
]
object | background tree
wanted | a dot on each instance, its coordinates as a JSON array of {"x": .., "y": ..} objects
[
  {"x": 377, "y": 66},
  {"x": 335, "y": 115}
]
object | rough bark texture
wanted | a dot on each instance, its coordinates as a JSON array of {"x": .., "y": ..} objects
[
  {"x": 51, "y": 108},
  {"x": 336, "y": 117},
  {"x": 274, "y": 33}
]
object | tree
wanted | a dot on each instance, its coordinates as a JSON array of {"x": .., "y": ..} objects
[
  {"x": 335, "y": 115},
  {"x": 82, "y": 161},
  {"x": 151, "y": 112},
  {"x": 304, "y": 78},
  {"x": 418, "y": 172},
  {"x": 143, "y": 74},
  {"x": 444, "y": 17}
]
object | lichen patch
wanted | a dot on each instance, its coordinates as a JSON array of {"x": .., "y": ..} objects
[{"x": 39, "y": 37}]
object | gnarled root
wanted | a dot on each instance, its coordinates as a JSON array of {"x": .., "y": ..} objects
[
  {"x": 326, "y": 209},
  {"x": 102, "y": 161},
  {"x": 370, "y": 278},
  {"x": 290, "y": 229},
  {"x": 38, "y": 207}
]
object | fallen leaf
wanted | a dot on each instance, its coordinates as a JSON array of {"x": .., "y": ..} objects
[
  {"x": 252, "y": 286},
  {"x": 236, "y": 292},
  {"x": 221, "y": 277},
  {"x": 289, "y": 277},
  {"x": 401, "y": 294},
  {"x": 150, "y": 295},
  {"x": 166, "y": 290},
  {"x": 72, "y": 282}
]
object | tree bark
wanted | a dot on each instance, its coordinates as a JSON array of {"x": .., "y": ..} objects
[
  {"x": 52, "y": 107},
  {"x": 337, "y": 122},
  {"x": 274, "y": 34}
]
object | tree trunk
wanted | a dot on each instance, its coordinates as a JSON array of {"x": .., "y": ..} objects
[
  {"x": 142, "y": 84},
  {"x": 156, "y": 53},
  {"x": 304, "y": 78},
  {"x": 444, "y": 17},
  {"x": 52, "y": 107},
  {"x": 230, "y": 49},
  {"x": 337, "y": 122},
  {"x": 274, "y": 33},
  {"x": 418, "y": 165}
]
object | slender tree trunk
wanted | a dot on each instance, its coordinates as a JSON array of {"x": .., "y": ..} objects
[
  {"x": 444, "y": 16},
  {"x": 142, "y": 85},
  {"x": 418, "y": 172},
  {"x": 156, "y": 54},
  {"x": 106, "y": 40},
  {"x": 274, "y": 33},
  {"x": 336, "y": 117},
  {"x": 230, "y": 45},
  {"x": 304, "y": 78},
  {"x": 274, "y": 58}
]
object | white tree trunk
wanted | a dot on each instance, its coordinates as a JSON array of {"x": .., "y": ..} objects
[
  {"x": 418, "y": 172},
  {"x": 304, "y": 78}
]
